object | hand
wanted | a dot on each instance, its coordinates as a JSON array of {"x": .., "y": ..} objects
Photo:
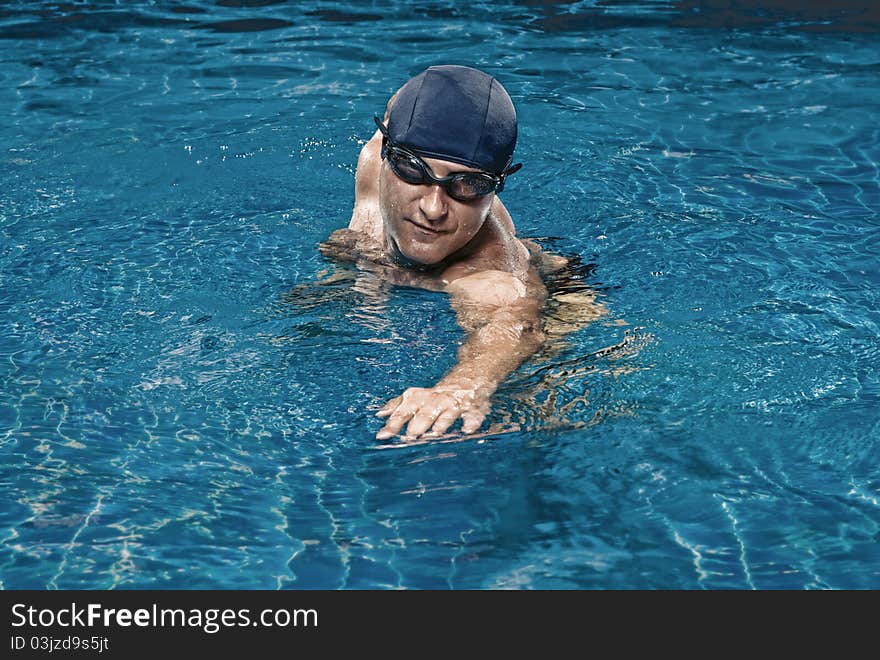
[{"x": 436, "y": 408}]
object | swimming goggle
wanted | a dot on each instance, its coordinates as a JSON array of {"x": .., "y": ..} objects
[{"x": 463, "y": 186}]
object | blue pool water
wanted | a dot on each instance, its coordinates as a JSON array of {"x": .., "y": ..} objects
[{"x": 182, "y": 406}]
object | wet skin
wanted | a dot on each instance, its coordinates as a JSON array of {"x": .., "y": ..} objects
[{"x": 424, "y": 237}]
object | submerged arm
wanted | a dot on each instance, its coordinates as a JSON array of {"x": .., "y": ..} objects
[{"x": 501, "y": 315}]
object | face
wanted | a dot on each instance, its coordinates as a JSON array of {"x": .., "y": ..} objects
[{"x": 423, "y": 224}]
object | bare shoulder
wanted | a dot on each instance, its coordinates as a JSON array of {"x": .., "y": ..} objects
[
  {"x": 497, "y": 295},
  {"x": 499, "y": 251},
  {"x": 365, "y": 214},
  {"x": 488, "y": 287},
  {"x": 370, "y": 157},
  {"x": 502, "y": 275}
]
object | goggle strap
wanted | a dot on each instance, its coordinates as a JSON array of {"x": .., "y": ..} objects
[{"x": 507, "y": 172}]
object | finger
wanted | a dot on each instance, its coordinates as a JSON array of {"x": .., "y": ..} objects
[
  {"x": 444, "y": 421},
  {"x": 471, "y": 421},
  {"x": 421, "y": 422},
  {"x": 395, "y": 423},
  {"x": 389, "y": 407}
]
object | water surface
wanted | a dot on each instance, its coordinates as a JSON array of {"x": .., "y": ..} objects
[{"x": 181, "y": 406}]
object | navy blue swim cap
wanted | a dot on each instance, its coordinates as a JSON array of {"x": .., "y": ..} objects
[{"x": 458, "y": 114}]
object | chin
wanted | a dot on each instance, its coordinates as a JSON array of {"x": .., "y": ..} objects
[{"x": 410, "y": 254}]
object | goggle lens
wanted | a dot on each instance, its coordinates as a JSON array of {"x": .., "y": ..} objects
[{"x": 464, "y": 186}]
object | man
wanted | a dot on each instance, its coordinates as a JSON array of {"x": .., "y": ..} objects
[{"x": 427, "y": 210}]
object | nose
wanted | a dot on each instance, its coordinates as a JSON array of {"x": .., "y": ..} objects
[{"x": 433, "y": 204}]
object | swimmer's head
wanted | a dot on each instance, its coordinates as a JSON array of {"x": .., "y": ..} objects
[
  {"x": 446, "y": 151},
  {"x": 456, "y": 114}
]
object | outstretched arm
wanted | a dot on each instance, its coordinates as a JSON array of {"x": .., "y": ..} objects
[{"x": 501, "y": 315}]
